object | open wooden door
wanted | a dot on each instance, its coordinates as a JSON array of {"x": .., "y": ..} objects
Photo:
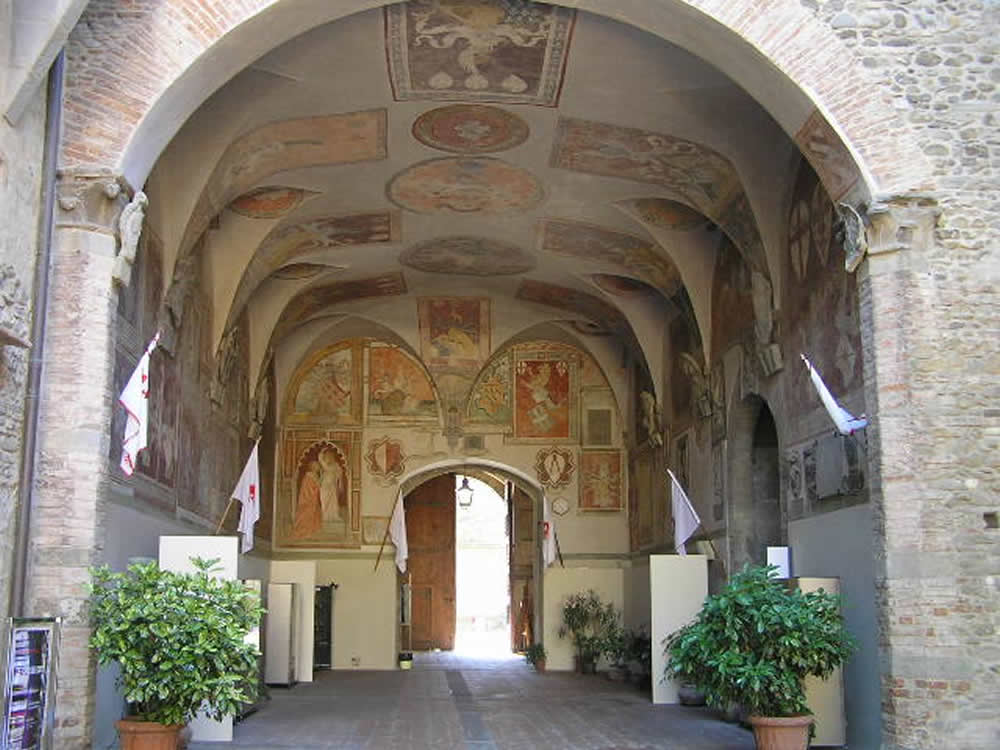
[
  {"x": 522, "y": 551},
  {"x": 430, "y": 531}
]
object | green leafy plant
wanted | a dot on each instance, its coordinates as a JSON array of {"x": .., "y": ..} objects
[
  {"x": 178, "y": 637},
  {"x": 534, "y": 654},
  {"x": 589, "y": 622},
  {"x": 755, "y": 642}
]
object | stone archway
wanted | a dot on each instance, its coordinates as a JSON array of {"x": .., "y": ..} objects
[
  {"x": 783, "y": 55},
  {"x": 756, "y": 518}
]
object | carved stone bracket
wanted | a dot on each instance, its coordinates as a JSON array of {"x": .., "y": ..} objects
[
  {"x": 888, "y": 225},
  {"x": 90, "y": 200}
]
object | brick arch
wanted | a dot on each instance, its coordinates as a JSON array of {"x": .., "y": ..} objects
[{"x": 135, "y": 76}]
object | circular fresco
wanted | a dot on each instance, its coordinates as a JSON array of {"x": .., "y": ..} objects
[
  {"x": 268, "y": 202},
  {"x": 470, "y": 129},
  {"x": 464, "y": 185},
  {"x": 668, "y": 214},
  {"x": 475, "y": 256}
]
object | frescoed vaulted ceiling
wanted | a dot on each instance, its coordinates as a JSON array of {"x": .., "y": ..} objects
[{"x": 575, "y": 170}]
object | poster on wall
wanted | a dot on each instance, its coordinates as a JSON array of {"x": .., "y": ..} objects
[{"x": 29, "y": 697}]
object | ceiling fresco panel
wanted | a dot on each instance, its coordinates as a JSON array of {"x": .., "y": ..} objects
[
  {"x": 600, "y": 245},
  {"x": 665, "y": 213},
  {"x": 696, "y": 174},
  {"x": 270, "y": 202},
  {"x": 478, "y": 50},
  {"x": 465, "y": 185},
  {"x": 289, "y": 144},
  {"x": 470, "y": 129},
  {"x": 317, "y": 299},
  {"x": 473, "y": 256}
]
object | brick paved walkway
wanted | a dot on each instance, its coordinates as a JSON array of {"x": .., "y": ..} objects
[{"x": 448, "y": 701}]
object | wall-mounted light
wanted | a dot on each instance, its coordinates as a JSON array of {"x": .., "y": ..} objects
[{"x": 464, "y": 493}]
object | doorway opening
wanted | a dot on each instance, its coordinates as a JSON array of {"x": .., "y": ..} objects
[{"x": 482, "y": 553}]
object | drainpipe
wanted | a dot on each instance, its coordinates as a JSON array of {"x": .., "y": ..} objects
[{"x": 53, "y": 126}]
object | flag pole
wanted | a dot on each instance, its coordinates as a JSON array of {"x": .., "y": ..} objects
[
  {"x": 385, "y": 536},
  {"x": 224, "y": 514},
  {"x": 555, "y": 535}
]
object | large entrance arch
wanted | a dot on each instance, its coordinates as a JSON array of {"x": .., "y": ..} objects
[
  {"x": 796, "y": 67},
  {"x": 121, "y": 116}
]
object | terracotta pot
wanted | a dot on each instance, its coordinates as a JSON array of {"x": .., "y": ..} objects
[
  {"x": 781, "y": 733},
  {"x": 539, "y": 665},
  {"x": 148, "y": 735}
]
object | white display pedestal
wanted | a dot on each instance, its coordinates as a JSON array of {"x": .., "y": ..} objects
[
  {"x": 678, "y": 585},
  {"x": 175, "y": 555}
]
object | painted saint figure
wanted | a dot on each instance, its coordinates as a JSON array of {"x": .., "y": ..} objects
[
  {"x": 331, "y": 488},
  {"x": 308, "y": 504}
]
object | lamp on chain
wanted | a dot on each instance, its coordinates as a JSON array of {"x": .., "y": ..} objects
[{"x": 464, "y": 493}]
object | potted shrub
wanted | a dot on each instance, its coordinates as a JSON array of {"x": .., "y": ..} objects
[
  {"x": 639, "y": 656},
  {"x": 179, "y": 640},
  {"x": 616, "y": 651},
  {"x": 753, "y": 644},
  {"x": 588, "y": 621},
  {"x": 535, "y": 656}
]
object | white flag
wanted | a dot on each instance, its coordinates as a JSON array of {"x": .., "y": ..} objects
[
  {"x": 686, "y": 520},
  {"x": 135, "y": 399},
  {"x": 846, "y": 422},
  {"x": 247, "y": 491},
  {"x": 397, "y": 532},
  {"x": 549, "y": 551}
]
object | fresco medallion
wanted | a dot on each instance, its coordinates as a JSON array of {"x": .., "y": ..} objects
[
  {"x": 462, "y": 185},
  {"x": 470, "y": 129},
  {"x": 475, "y": 256}
]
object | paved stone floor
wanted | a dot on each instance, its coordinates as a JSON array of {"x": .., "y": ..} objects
[{"x": 455, "y": 701}]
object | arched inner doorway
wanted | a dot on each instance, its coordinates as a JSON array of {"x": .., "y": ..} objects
[
  {"x": 494, "y": 561},
  {"x": 757, "y": 518}
]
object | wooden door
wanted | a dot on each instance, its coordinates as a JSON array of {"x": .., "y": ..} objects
[
  {"x": 430, "y": 531},
  {"x": 521, "y": 515}
]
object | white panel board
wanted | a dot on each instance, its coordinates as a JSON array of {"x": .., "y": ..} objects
[
  {"x": 302, "y": 572},
  {"x": 678, "y": 585},
  {"x": 782, "y": 558},
  {"x": 175, "y": 555}
]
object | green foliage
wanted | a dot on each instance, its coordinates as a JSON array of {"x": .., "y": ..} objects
[
  {"x": 591, "y": 623},
  {"x": 178, "y": 638},
  {"x": 534, "y": 654},
  {"x": 754, "y": 642},
  {"x": 639, "y": 648}
]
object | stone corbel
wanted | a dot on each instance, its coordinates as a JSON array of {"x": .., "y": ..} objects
[
  {"x": 887, "y": 226},
  {"x": 89, "y": 200}
]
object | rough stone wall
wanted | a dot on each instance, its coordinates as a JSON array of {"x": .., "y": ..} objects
[
  {"x": 20, "y": 183},
  {"x": 929, "y": 317}
]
